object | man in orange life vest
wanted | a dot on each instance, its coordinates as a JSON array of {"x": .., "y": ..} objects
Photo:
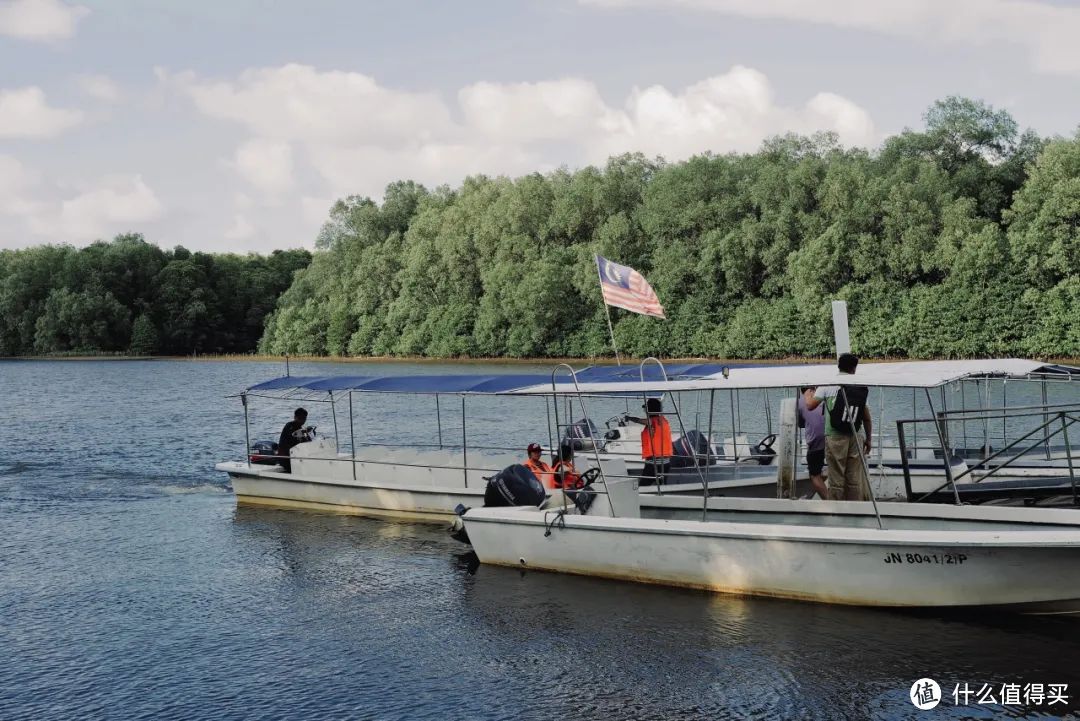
[
  {"x": 541, "y": 470},
  {"x": 566, "y": 476},
  {"x": 656, "y": 448}
]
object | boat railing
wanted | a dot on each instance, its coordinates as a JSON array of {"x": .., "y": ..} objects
[
  {"x": 407, "y": 464},
  {"x": 1056, "y": 421}
]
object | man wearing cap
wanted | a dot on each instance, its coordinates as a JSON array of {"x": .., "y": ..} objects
[
  {"x": 541, "y": 470},
  {"x": 656, "y": 449}
]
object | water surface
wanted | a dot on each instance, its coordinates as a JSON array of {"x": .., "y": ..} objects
[{"x": 132, "y": 587}]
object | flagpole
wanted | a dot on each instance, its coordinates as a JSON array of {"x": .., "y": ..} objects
[{"x": 607, "y": 311}]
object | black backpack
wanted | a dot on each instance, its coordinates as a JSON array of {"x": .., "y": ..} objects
[{"x": 847, "y": 408}]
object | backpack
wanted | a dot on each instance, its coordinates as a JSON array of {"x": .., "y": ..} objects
[{"x": 847, "y": 408}]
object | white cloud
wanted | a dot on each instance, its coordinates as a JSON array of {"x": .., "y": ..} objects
[
  {"x": 114, "y": 205},
  {"x": 359, "y": 136},
  {"x": 25, "y": 113},
  {"x": 98, "y": 87},
  {"x": 241, "y": 228},
  {"x": 549, "y": 110},
  {"x": 731, "y": 112},
  {"x": 16, "y": 186},
  {"x": 298, "y": 102},
  {"x": 266, "y": 164},
  {"x": 1047, "y": 32},
  {"x": 42, "y": 20}
]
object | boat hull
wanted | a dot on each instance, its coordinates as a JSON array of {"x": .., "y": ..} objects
[
  {"x": 1024, "y": 570},
  {"x": 434, "y": 504}
]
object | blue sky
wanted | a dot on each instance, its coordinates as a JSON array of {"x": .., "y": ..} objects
[{"x": 234, "y": 126}]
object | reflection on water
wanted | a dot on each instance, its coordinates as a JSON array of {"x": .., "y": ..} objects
[{"x": 131, "y": 586}]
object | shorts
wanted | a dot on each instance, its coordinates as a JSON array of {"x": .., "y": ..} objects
[{"x": 815, "y": 461}]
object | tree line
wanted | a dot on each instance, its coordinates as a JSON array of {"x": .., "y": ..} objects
[
  {"x": 958, "y": 239},
  {"x": 130, "y": 296}
]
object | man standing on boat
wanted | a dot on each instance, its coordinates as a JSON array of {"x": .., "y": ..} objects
[
  {"x": 292, "y": 434},
  {"x": 846, "y": 418},
  {"x": 656, "y": 448},
  {"x": 541, "y": 470},
  {"x": 813, "y": 425}
]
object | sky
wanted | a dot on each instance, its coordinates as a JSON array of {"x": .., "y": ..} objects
[{"x": 234, "y": 126}]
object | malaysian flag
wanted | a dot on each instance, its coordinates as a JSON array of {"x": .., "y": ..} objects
[{"x": 625, "y": 288}]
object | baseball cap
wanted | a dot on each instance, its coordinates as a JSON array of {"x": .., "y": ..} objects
[{"x": 534, "y": 447}]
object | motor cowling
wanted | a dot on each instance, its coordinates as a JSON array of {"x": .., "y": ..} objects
[
  {"x": 264, "y": 453},
  {"x": 515, "y": 485}
]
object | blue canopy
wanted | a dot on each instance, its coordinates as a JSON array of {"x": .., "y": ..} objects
[{"x": 486, "y": 383}]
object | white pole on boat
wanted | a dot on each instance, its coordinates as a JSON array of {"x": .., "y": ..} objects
[
  {"x": 768, "y": 414},
  {"x": 946, "y": 457},
  {"x": 786, "y": 449},
  {"x": 734, "y": 432},
  {"x": 333, "y": 412},
  {"x": 985, "y": 408},
  {"x": 438, "y": 419},
  {"x": 1046, "y": 419},
  {"x": 840, "y": 327},
  {"x": 352, "y": 436},
  {"x": 708, "y": 458},
  {"x": 947, "y": 448},
  {"x": 1004, "y": 411},
  {"x": 1068, "y": 455},
  {"x": 464, "y": 444},
  {"x": 547, "y": 407},
  {"x": 247, "y": 430}
]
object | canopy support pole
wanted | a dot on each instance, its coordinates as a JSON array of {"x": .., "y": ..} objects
[
  {"x": 464, "y": 445},
  {"x": 247, "y": 430},
  {"x": 734, "y": 433},
  {"x": 708, "y": 459},
  {"x": 333, "y": 412},
  {"x": 768, "y": 414},
  {"x": 352, "y": 436},
  {"x": 547, "y": 407},
  {"x": 438, "y": 420},
  {"x": 1068, "y": 454},
  {"x": 946, "y": 457},
  {"x": 1046, "y": 419}
]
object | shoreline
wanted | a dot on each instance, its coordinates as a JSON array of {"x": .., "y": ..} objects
[{"x": 257, "y": 358}]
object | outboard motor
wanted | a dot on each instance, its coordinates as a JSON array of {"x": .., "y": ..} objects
[
  {"x": 263, "y": 453},
  {"x": 691, "y": 449},
  {"x": 514, "y": 486},
  {"x": 584, "y": 435}
]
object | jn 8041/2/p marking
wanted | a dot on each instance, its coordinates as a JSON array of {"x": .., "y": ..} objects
[{"x": 938, "y": 558}]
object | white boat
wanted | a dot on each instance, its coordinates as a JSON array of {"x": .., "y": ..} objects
[
  {"x": 861, "y": 553},
  {"x": 926, "y": 555},
  {"x": 428, "y": 483}
]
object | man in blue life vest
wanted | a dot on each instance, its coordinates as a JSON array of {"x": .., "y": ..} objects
[{"x": 847, "y": 424}]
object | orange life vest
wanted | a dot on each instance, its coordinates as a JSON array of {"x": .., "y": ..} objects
[
  {"x": 570, "y": 477},
  {"x": 542, "y": 471},
  {"x": 656, "y": 438}
]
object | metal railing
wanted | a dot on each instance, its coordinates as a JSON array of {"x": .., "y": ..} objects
[{"x": 1061, "y": 415}]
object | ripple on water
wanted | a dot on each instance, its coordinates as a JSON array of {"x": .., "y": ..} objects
[{"x": 132, "y": 587}]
